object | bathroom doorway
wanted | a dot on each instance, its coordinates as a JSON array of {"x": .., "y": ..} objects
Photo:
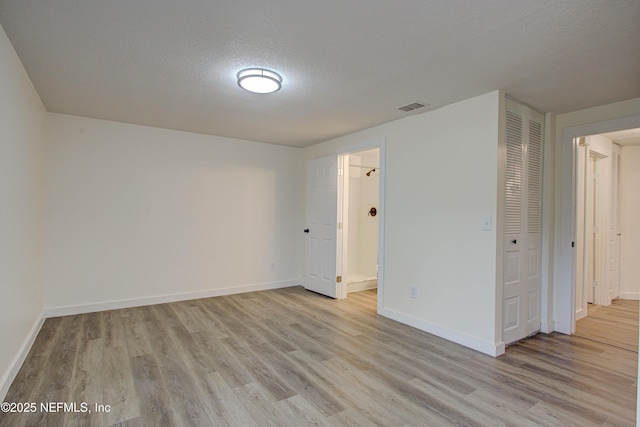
[{"x": 360, "y": 220}]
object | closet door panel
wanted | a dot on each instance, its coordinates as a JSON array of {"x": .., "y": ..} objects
[{"x": 522, "y": 216}]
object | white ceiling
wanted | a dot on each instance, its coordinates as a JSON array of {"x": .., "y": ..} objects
[
  {"x": 624, "y": 137},
  {"x": 347, "y": 65}
]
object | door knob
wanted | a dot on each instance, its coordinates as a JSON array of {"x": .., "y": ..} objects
[
  {"x": 514, "y": 241},
  {"x": 306, "y": 230}
]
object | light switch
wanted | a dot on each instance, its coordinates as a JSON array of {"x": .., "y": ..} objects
[{"x": 487, "y": 223}]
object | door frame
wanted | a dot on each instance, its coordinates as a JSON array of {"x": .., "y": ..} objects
[
  {"x": 614, "y": 246},
  {"x": 565, "y": 259},
  {"x": 381, "y": 144},
  {"x": 597, "y": 202},
  {"x": 592, "y": 210}
]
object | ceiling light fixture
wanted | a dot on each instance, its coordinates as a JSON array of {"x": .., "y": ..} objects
[{"x": 259, "y": 80}]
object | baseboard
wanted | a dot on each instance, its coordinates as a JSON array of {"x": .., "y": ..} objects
[
  {"x": 630, "y": 295},
  {"x": 547, "y": 328},
  {"x": 161, "y": 299},
  {"x": 562, "y": 328},
  {"x": 11, "y": 372},
  {"x": 473, "y": 343},
  {"x": 363, "y": 285}
]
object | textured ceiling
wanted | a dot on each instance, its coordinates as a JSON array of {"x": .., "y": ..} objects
[
  {"x": 625, "y": 137},
  {"x": 346, "y": 65}
]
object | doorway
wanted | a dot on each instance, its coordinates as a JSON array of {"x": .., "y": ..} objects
[
  {"x": 567, "y": 251},
  {"x": 602, "y": 304},
  {"x": 327, "y": 239},
  {"x": 360, "y": 220},
  {"x": 593, "y": 231},
  {"x": 593, "y": 215}
]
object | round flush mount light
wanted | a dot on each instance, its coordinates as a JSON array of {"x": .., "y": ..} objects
[{"x": 259, "y": 80}]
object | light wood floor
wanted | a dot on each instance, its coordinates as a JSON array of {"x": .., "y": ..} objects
[
  {"x": 292, "y": 358},
  {"x": 615, "y": 324}
]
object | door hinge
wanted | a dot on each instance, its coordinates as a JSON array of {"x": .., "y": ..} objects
[
  {"x": 573, "y": 244},
  {"x": 338, "y": 279}
]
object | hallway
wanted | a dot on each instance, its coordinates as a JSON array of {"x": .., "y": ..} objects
[{"x": 616, "y": 324}]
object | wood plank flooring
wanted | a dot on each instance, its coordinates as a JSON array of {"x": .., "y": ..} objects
[
  {"x": 289, "y": 357},
  {"x": 615, "y": 324}
]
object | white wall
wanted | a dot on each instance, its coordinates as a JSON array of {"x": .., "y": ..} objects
[
  {"x": 139, "y": 215},
  {"x": 441, "y": 179},
  {"x": 369, "y": 197},
  {"x": 630, "y": 222},
  {"x": 21, "y": 213},
  {"x": 352, "y": 223}
]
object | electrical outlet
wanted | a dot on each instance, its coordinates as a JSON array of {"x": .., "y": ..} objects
[
  {"x": 273, "y": 266},
  {"x": 413, "y": 292}
]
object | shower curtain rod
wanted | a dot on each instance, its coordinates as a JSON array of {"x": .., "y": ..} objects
[{"x": 365, "y": 167}]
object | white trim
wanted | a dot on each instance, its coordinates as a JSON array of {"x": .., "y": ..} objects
[
  {"x": 499, "y": 222},
  {"x": 363, "y": 146},
  {"x": 546, "y": 328},
  {"x": 362, "y": 285},
  {"x": 342, "y": 265},
  {"x": 160, "y": 299},
  {"x": 473, "y": 343},
  {"x": 564, "y": 280},
  {"x": 630, "y": 295},
  {"x": 381, "y": 143},
  {"x": 556, "y": 327},
  {"x": 548, "y": 218},
  {"x": 15, "y": 365}
]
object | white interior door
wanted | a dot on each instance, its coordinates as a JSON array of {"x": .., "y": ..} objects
[
  {"x": 533, "y": 227},
  {"x": 613, "y": 265},
  {"x": 591, "y": 231},
  {"x": 598, "y": 243},
  {"x": 522, "y": 222},
  {"x": 321, "y": 231}
]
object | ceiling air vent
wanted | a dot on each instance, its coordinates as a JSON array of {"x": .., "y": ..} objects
[{"x": 411, "y": 107}]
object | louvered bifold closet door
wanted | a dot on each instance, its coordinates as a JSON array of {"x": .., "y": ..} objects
[
  {"x": 522, "y": 221},
  {"x": 533, "y": 156},
  {"x": 513, "y": 176},
  {"x": 534, "y": 178}
]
